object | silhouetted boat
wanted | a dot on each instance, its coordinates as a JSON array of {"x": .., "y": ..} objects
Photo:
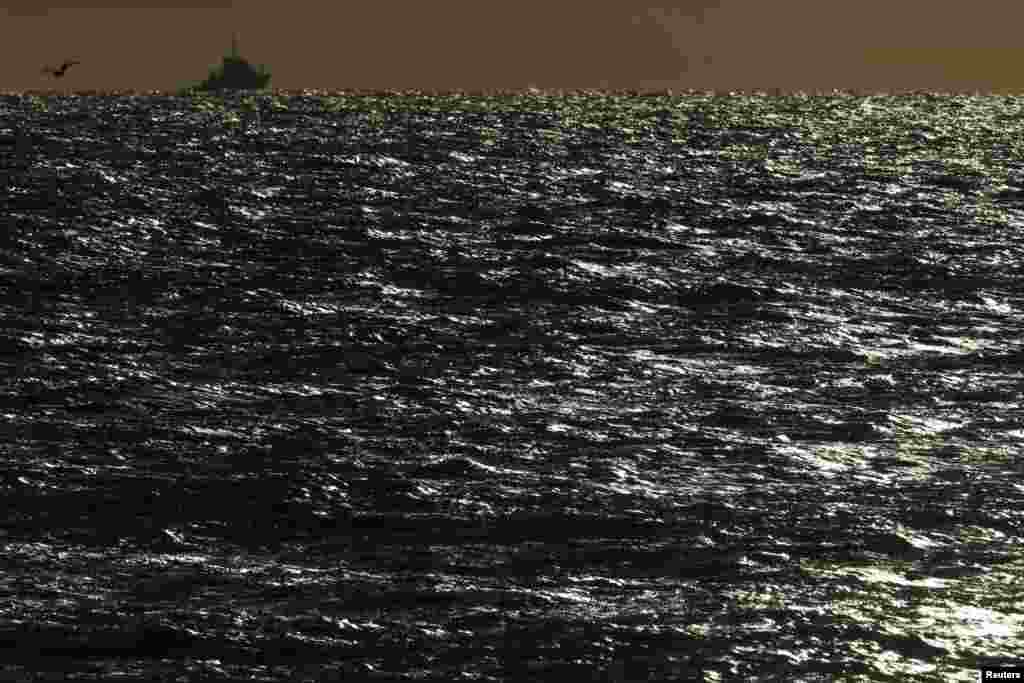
[{"x": 235, "y": 74}]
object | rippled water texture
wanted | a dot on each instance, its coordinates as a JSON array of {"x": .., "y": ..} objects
[{"x": 492, "y": 388}]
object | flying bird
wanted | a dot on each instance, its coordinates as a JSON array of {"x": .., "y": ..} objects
[{"x": 58, "y": 72}]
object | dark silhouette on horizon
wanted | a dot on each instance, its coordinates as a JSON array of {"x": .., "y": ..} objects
[
  {"x": 236, "y": 73},
  {"x": 59, "y": 72}
]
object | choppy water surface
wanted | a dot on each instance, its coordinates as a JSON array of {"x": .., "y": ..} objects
[{"x": 424, "y": 388}]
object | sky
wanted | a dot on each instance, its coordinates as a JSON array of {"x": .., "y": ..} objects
[{"x": 472, "y": 45}]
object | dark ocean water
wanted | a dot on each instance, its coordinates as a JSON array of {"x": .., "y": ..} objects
[{"x": 621, "y": 388}]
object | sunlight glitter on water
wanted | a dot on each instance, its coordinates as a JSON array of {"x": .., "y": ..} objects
[{"x": 626, "y": 417}]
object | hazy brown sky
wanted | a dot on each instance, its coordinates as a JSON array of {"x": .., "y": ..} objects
[{"x": 484, "y": 44}]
